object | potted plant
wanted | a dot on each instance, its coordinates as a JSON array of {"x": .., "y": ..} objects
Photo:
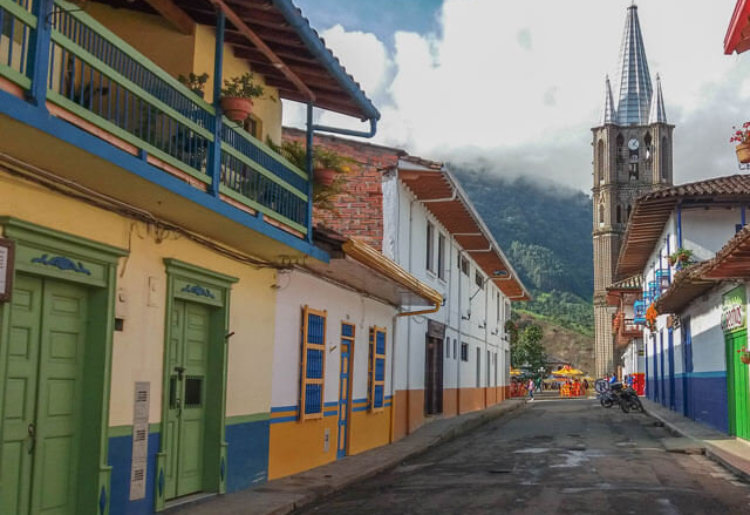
[
  {"x": 327, "y": 166},
  {"x": 195, "y": 83},
  {"x": 680, "y": 257},
  {"x": 741, "y": 136},
  {"x": 237, "y": 95},
  {"x": 744, "y": 356}
]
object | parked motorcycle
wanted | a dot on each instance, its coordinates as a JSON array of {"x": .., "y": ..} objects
[{"x": 615, "y": 393}]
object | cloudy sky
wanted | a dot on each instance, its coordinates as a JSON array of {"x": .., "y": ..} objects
[{"x": 514, "y": 86}]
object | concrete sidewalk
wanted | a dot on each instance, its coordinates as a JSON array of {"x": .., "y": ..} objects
[
  {"x": 733, "y": 453},
  {"x": 287, "y": 494}
]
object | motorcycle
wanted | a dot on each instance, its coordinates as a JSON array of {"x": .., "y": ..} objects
[{"x": 615, "y": 393}]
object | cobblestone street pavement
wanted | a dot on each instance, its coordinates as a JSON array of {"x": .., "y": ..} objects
[{"x": 553, "y": 457}]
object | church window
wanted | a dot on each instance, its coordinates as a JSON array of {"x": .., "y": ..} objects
[
  {"x": 620, "y": 146},
  {"x": 633, "y": 175},
  {"x": 601, "y": 214},
  {"x": 664, "y": 161},
  {"x": 647, "y": 140},
  {"x": 619, "y": 215},
  {"x": 599, "y": 161}
]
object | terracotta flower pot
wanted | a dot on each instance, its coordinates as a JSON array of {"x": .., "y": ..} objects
[
  {"x": 236, "y": 109},
  {"x": 324, "y": 176},
  {"x": 745, "y": 358},
  {"x": 743, "y": 152}
]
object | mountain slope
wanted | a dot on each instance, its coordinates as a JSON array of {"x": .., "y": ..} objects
[{"x": 545, "y": 230}]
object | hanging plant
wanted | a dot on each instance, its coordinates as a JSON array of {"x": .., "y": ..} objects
[
  {"x": 741, "y": 136},
  {"x": 680, "y": 257},
  {"x": 651, "y": 316},
  {"x": 744, "y": 356}
]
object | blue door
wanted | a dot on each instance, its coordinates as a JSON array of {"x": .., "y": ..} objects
[
  {"x": 655, "y": 389},
  {"x": 662, "y": 375},
  {"x": 687, "y": 350},
  {"x": 670, "y": 356},
  {"x": 347, "y": 345}
]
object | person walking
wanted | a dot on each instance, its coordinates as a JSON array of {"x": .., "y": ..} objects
[{"x": 530, "y": 387}]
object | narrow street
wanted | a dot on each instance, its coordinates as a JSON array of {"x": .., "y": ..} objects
[{"x": 552, "y": 457}]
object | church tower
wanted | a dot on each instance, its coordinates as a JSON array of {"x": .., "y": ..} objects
[{"x": 632, "y": 156}]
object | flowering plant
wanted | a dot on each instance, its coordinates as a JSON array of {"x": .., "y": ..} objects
[
  {"x": 742, "y": 134},
  {"x": 651, "y": 315}
]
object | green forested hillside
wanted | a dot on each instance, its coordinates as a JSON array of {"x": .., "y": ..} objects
[{"x": 545, "y": 231}]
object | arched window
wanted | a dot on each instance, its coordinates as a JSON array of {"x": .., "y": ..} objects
[
  {"x": 619, "y": 214},
  {"x": 601, "y": 213},
  {"x": 620, "y": 141},
  {"x": 647, "y": 140},
  {"x": 664, "y": 159},
  {"x": 599, "y": 162}
]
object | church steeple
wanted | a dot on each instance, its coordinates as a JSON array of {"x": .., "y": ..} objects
[
  {"x": 635, "y": 80},
  {"x": 658, "y": 112},
  {"x": 608, "y": 115}
]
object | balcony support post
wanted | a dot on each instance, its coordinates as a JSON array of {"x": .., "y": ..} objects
[
  {"x": 214, "y": 155},
  {"x": 309, "y": 169},
  {"x": 39, "y": 50}
]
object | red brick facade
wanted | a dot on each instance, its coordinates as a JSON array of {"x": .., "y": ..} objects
[{"x": 358, "y": 211}]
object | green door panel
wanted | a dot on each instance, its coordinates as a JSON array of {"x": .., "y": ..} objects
[
  {"x": 188, "y": 368},
  {"x": 43, "y": 397},
  {"x": 20, "y": 394},
  {"x": 738, "y": 385}
]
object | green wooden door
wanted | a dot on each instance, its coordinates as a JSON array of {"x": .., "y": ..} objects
[
  {"x": 188, "y": 370},
  {"x": 738, "y": 385},
  {"x": 43, "y": 397}
]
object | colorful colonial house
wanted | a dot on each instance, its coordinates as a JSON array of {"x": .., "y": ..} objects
[
  {"x": 627, "y": 328},
  {"x": 143, "y": 235},
  {"x": 334, "y": 355},
  {"x": 674, "y": 238},
  {"x": 455, "y": 358}
]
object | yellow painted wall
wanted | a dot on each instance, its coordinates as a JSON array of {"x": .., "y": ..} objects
[
  {"x": 180, "y": 54},
  {"x": 369, "y": 430},
  {"x": 151, "y": 35},
  {"x": 138, "y": 350},
  {"x": 267, "y": 108},
  {"x": 288, "y": 438}
]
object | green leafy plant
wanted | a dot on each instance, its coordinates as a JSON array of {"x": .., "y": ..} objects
[
  {"x": 196, "y": 83},
  {"x": 323, "y": 195},
  {"x": 680, "y": 256},
  {"x": 242, "y": 87}
]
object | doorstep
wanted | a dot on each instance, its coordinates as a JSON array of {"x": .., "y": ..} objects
[
  {"x": 733, "y": 453},
  {"x": 284, "y": 495}
]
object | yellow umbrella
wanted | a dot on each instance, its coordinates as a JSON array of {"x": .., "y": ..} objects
[
  {"x": 567, "y": 371},
  {"x": 515, "y": 372}
]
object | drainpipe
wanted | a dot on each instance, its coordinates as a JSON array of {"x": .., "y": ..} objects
[
  {"x": 392, "y": 429},
  {"x": 679, "y": 226},
  {"x": 669, "y": 268}
]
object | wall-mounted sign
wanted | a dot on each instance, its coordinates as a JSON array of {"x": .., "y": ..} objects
[
  {"x": 734, "y": 310},
  {"x": 7, "y": 248}
]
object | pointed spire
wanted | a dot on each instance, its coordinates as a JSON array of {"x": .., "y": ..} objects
[
  {"x": 635, "y": 80},
  {"x": 658, "y": 112},
  {"x": 608, "y": 115}
]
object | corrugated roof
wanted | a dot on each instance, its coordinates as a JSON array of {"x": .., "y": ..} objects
[{"x": 652, "y": 210}]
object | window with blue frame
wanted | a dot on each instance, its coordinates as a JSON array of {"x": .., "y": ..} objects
[
  {"x": 312, "y": 373},
  {"x": 376, "y": 389}
]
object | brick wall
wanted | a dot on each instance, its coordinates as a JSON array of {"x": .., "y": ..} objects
[{"x": 359, "y": 210}]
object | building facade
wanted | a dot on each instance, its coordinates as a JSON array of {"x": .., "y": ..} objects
[
  {"x": 143, "y": 233},
  {"x": 456, "y": 358},
  {"x": 695, "y": 323},
  {"x": 632, "y": 155}
]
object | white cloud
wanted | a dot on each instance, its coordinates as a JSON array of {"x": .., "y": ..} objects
[{"x": 520, "y": 83}]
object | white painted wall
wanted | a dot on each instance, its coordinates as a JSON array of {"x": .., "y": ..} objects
[
  {"x": 297, "y": 288},
  {"x": 406, "y": 220}
]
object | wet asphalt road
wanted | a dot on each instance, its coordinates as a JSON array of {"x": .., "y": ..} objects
[{"x": 565, "y": 457}]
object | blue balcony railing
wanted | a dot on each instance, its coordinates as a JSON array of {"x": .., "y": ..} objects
[
  {"x": 101, "y": 79},
  {"x": 639, "y": 311}
]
